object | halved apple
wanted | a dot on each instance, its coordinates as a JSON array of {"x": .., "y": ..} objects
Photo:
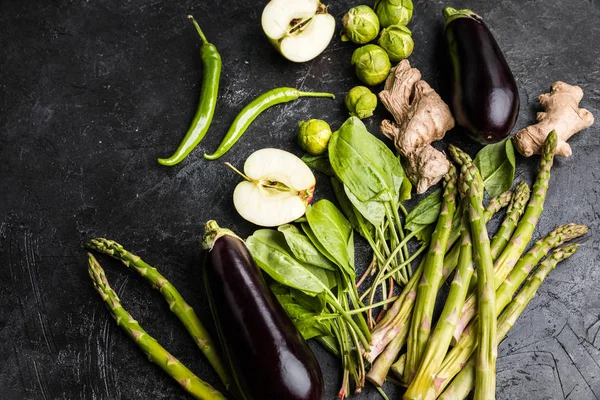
[
  {"x": 299, "y": 29},
  {"x": 277, "y": 189}
]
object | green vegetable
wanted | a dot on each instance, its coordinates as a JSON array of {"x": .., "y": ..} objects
[
  {"x": 211, "y": 61},
  {"x": 397, "y": 41},
  {"x": 373, "y": 211},
  {"x": 310, "y": 324},
  {"x": 361, "y": 102},
  {"x": 396, "y": 320},
  {"x": 506, "y": 281},
  {"x": 371, "y": 172},
  {"x": 393, "y": 12},
  {"x": 468, "y": 342},
  {"x": 303, "y": 249},
  {"x": 361, "y": 25},
  {"x": 471, "y": 189},
  {"x": 319, "y": 163},
  {"x": 155, "y": 352},
  {"x": 425, "y": 213},
  {"x": 364, "y": 163},
  {"x": 333, "y": 231},
  {"x": 313, "y": 136},
  {"x": 513, "y": 214},
  {"x": 420, "y": 326},
  {"x": 464, "y": 382},
  {"x": 441, "y": 337},
  {"x": 177, "y": 304},
  {"x": 253, "y": 110},
  {"x": 271, "y": 253},
  {"x": 372, "y": 64},
  {"x": 496, "y": 163}
]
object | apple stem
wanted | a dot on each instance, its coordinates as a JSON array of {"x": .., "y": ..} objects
[{"x": 239, "y": 172}]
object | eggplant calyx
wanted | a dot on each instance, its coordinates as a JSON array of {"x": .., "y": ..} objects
[
  {"x": 212, "y": 232},
  {"x": 450, "y": 14}
]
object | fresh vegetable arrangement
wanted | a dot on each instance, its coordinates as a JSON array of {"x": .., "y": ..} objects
[{"x": 297, "y": 280}]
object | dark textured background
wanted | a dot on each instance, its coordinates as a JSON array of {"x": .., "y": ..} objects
[{"x": 91, "y": 93}]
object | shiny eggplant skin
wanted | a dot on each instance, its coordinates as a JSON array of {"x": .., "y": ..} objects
[
  {"x": 484, "y": 94},
  {"x": 266, "y": 353}
]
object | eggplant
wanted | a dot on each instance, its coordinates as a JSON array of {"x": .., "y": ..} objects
[
  {"x": 484, "y": 94},
  {"x": 267, "y": 355}
]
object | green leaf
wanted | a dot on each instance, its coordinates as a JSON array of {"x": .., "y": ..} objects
[
  {"x": 344, "y": 203},
  {"x": 373, "y": 211},
  {"x": 363, "y": 162},
  {"x": 303, "y": 248},
  {"x": 332, "y": 230},
  {"x": 313, "y": 238},
  {"x": 327, "y": 277},
  {"x": 271, "y": 253},
  {"x": 357, "y": 221},
  {"x": 306, "y": 321},
  {"x": 424, "y": 213},
  {"x": 406, "y": 186},
  {"x": 496, "y": 163},
  {"x": 319, "y": 163},
  {"x": 314, "y": 303}
]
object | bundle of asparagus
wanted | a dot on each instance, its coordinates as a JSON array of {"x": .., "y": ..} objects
[{"x": 484, "y": 300}]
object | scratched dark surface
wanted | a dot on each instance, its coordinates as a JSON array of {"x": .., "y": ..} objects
[{"x": 91, "y": 93}]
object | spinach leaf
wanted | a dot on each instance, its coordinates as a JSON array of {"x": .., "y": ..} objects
[
  {"x": 424, "y": 213},
  {"x": 271, "y": 253},
  {"x": 373, "y": 211},
  {"x": 496, "y": 163},
  {"x": 344, "y": 203},
  {"x": 303, "y": 249},
  {"x": 327, "y": 277},
  {"x": 357, "y": 221},
  {"x": 319, "y": 163},
  {"x": 406, "y": 186},
  {"x": 332, "y": 230},
  {"x": 363, "y": 162},
  {"x": 313, "y": 238},
  {"x": 306, "y": 321},
  {"x": 314, "y": 303}
]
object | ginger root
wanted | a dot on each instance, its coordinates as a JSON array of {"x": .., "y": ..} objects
[
  {"x": 562, "y": 114},
  {"x": 421, "y": 118}
]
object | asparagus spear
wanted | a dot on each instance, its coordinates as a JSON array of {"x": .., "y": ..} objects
[
  {"x": 524, "y": 231},
  {"x": 420, "y": 326},
  {"x": 513, "y": 214},
  {"x": 497, "y": 203},
  {"x": 540, "y": 249},
  {"x": 467, "y": 342},
  {"x": 155, "y": 352},
  {"x": 471, "y": 187},
  {"x": 463, "y": 383},
  {"x": 398, "y": 367},
  {"x": 177, "y": 304},
  {"x": 396, "y": 321},
  {"x": 440, "y": 339}
]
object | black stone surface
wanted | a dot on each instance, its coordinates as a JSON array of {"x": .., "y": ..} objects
[{"x": 91, "y": 93}]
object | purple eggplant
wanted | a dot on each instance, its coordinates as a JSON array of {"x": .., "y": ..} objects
[
  {"x": 484, "y": 95},
  {"x": 266, "y": 353}
]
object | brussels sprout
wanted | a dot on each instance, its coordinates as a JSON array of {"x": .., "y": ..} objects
[
  {"x": 393, "y": 12},
  {"x": 397, "y": 41},
  {"x": 372, "y": 64},
  {"x": 361, "y": 102},
  {"x": 313, "y": 136},
  {"x": 361, "y": 25}
]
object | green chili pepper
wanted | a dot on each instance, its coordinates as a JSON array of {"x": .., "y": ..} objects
[
  {"x": 253, "y": 109},
  {"x": 211, "y": 61}
]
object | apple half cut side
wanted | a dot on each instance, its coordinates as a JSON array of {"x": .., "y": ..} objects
[
  {"x": 299, "y": 29},
  {"x": 277, "y": 189}
]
